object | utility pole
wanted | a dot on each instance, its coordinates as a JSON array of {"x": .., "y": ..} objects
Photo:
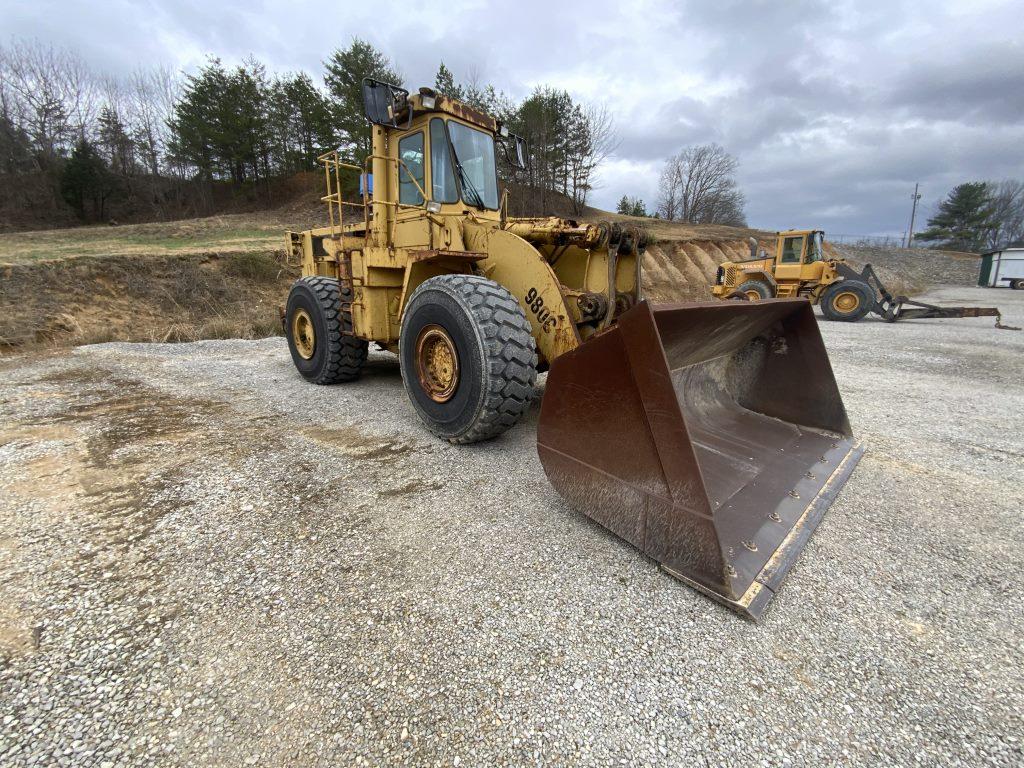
[{"x": 913, "y": 214}]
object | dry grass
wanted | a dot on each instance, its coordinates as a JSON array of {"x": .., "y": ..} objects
[{"x": 241, "y": 233}]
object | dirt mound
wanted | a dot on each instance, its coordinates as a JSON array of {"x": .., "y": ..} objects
[
  {"x": 684, "y": 270},
  {"x": 141, "y": 298},
  {"x": 681, "y": 264}
]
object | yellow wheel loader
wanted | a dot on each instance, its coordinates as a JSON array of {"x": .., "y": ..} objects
[
  {"x": 710, "y": 435},
  {"x": 800, "y": 267}
]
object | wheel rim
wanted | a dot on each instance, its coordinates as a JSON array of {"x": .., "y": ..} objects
[
  {"x": 437, "y": 363},
  {"x": 847, "y": 301},
  {"x": 303, "y": 334},
  {"x": 752, "y": 294}
]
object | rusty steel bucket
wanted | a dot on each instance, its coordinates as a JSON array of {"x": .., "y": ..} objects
[{"x": 711, "y": 436}]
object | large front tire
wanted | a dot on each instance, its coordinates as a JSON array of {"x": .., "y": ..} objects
[
  {"x": 319, "y": 331},
  {"x": 847, "y": 301},
  {"x": 469, "y": 360},
  {"x": 755, "y": 290}
]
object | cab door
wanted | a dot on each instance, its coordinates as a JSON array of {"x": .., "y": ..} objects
[
  {"x": 790, "y": 258},
  {"x": 412, "y": 228}
]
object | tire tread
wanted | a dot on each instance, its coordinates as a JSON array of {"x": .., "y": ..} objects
[
  {"x": 346, "y": 353},
  {"x": 509, "y": 349}
]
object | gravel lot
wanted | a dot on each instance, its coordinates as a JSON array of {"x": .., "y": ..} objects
[{"x": 205, "y": 560}]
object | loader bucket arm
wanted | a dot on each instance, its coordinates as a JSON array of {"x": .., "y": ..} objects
[
  {"x": 892, "y": 308},
  {"x": 711, "y": 436}
]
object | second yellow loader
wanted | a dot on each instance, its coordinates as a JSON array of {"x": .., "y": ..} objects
[{"x": 712, "y": 436}]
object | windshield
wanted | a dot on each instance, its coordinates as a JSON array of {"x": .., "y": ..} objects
[{"x": 473, "y": 152}]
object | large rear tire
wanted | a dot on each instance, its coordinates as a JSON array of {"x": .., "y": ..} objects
[
  {"x": 469, "y": 360},
  {"x": 319, "y": 331},
  {"x": 847, "y": 301}
]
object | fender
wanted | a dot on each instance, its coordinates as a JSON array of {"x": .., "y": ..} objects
[{"x": 515, "y": 264}]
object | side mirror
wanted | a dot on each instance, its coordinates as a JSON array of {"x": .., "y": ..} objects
[
  {"x": 384, "y": 103},
  {"x": 521, "y": 153},
  {"x": 517, "y": 154}
]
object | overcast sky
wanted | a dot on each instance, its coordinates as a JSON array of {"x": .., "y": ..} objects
[{"x": 834, "y": 109}]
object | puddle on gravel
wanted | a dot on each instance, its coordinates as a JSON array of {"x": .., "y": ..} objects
[{"x": 114, "y": 444}]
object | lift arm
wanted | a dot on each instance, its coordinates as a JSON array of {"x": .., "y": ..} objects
[{"x": 892, "y": 308}]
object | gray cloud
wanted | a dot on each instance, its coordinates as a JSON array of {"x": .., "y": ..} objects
[{"x": 834, "y": 109}]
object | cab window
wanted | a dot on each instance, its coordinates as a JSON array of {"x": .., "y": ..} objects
[
  {"x": 410, "y": 152},
  {"x": 442, "y": 174},
  {"x": 791, "y": 250},
  {"x": 814, "y": 248}
]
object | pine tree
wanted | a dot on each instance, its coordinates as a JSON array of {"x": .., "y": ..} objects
[
  {"x": 196, "y": 132},
  {"x": 117, "y": 144},
  {"x": 86, "y": 179},
  {"x": 300, "y": 123},
  {"x": 221, "y": 123},
  {"x": 631, "y": 206},
  {"x": 15, "y": 147},
  {"x": 963, "y": 218},
  {"x": 444, "y": 82},
  {"x": 344, "y": 75}
]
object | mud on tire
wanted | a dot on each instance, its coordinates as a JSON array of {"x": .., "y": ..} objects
[
  {"x": 336, "y": 355},
  {"x": 495, "y": 353}
]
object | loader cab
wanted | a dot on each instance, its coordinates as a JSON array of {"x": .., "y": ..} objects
[
  {"x": 441, "y": 156},
  {"x": 799, "y": 255}
]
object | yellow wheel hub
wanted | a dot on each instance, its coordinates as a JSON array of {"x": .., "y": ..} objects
[
  {"x": 847, "y": 301},
  {"x": 303, "y": 334},
  {"x": 752, "y": 295},
  {"x": 437, "y": 363}
]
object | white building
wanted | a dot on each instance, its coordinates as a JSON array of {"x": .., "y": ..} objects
[{"x": 1002, "y": 268}]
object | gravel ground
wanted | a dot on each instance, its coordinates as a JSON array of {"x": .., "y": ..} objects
[{"x": 205, "y": 560}]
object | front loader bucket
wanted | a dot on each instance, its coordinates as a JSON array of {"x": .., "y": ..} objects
[{"x": 710, "y": 435}]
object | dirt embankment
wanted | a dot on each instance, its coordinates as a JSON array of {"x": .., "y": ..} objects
[
  {"x": 141, "y": 298},
  {"x": 675, "y": 270},
  {"x": 223, "y": 278},
  {"x": 683, "y": 268}
]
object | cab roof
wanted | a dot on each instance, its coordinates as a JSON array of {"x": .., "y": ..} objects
[{"x": 449, "y": 106}]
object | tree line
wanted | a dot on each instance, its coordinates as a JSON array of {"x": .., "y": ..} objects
[
  {"x": 142, "y": 138},
  {"x": 977, "y": 216}
]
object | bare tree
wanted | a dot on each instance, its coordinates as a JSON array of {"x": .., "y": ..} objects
[
  {"x": 51, "y": 93},
  {"x": 698, "y": 186},
  {"x": 669, "y": 187},
  {"x": 1007, "y": 206},
  {"x": 592, "y": 139}
]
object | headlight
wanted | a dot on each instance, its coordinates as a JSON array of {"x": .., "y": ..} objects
[{"x": 428, "y": 102}]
